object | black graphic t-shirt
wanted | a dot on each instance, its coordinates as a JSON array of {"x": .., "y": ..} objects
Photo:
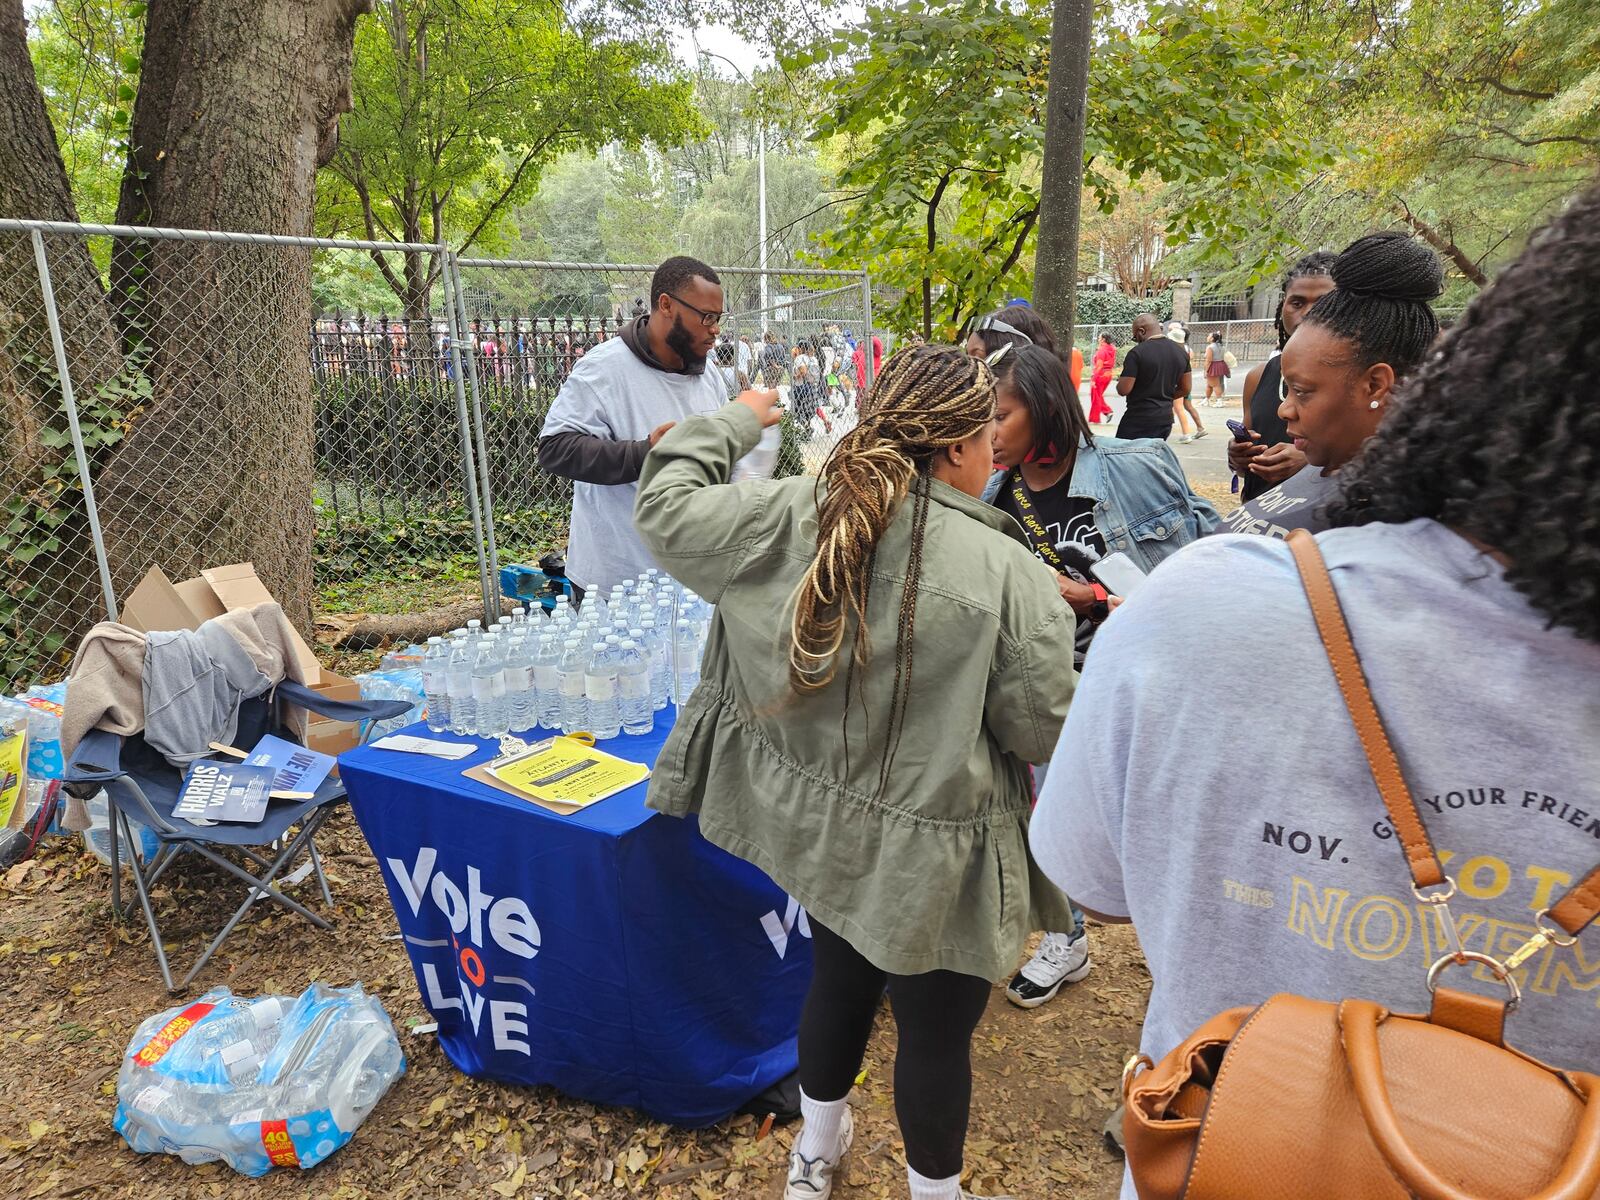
[
  {"x": 1299, "y": 502},
  {"x": 1264, "y": 419},
  {"x": 1068, "y": 529}
]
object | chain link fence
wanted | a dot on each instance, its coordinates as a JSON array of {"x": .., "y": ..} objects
[
  {"x": 398, "y": 513},
  {"x": 184, "y": 399},
  {"x": 48, "y": 554}
]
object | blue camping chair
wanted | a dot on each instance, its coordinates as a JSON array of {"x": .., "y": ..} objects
[{"x": 143, "y": 787}]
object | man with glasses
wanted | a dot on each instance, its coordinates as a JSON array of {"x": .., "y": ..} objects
[{"x": 619, "y": 400}]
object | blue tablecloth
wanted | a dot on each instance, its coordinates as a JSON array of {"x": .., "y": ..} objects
[{"x": 613, "y": 954}]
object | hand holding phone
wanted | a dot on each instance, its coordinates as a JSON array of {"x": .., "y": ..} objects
[
  {"x": 1245, "y": 446},
  {"x": 1119, "y": 573}
]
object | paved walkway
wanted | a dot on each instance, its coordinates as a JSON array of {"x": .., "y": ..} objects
[{"x": 1204, "y": 461}]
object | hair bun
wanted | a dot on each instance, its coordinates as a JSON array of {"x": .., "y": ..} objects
[{"x": 1392, "y": 265}]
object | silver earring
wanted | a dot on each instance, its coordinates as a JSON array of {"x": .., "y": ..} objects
[{"x": 1374, "y": 404}]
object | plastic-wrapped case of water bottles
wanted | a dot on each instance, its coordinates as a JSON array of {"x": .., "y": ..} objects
[
  {"x": 396, "y": 683},
  {"x": 605, "y": 668},
  {"x": 280, "y": 1081},
  {"x": 40, "y": 708}
]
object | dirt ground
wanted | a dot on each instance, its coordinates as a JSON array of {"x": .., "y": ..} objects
[{"x": 76, "y": 983}]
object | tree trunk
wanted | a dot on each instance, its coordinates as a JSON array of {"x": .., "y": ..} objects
[
  {"x": 238, "y": 107},
  {"x": 50, "y": 592},
  {"x": 1055, "y": 264}
]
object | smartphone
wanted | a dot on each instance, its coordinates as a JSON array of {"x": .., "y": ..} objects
[
  {"x": 1240, "y": 431},
  {"x": 1119, "y": 573}
]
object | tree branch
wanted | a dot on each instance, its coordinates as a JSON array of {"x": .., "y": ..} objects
[
  {"x": 1505, "y": 89},
  {"x": 493, "y": 210},
  {"x": 775, "y": 234},
  {"x": 1592, "y": 143},
  {"x": 1443, "y": 245}
]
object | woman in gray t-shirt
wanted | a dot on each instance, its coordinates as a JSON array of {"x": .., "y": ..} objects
[{"x": 1467, "y": 562}]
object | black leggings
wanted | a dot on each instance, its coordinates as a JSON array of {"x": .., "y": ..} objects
[{"x": 935, "y": 1015}]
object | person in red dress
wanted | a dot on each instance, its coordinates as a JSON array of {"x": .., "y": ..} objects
[{"x": 1105, "y": 366}]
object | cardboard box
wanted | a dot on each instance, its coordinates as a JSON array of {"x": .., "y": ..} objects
[{"x": 158, "y": 604}]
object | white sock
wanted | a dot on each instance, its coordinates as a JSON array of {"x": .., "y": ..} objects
[
  {"x": 923, "y": 1188},
  {"x": 819, "y": 1129}
]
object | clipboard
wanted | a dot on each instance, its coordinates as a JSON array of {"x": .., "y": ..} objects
[{"x": 514, "y": 750}]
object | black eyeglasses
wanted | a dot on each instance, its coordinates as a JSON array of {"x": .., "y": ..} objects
[{"x": 708, "y": 319}]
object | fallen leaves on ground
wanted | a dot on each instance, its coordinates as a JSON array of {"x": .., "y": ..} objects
[{"x": 77, "y": 983}]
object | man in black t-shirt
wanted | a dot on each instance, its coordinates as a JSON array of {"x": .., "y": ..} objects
[{"x": 1155, "y": 373}]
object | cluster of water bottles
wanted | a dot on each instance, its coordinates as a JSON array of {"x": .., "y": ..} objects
[{"x": 605, "y": 669}]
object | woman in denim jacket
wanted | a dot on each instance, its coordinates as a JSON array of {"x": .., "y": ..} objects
[{"x": 1103, "y": 496}]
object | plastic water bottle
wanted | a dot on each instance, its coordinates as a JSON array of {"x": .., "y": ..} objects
[
  {"x": 686, "y": 661},
  {"x": 600, "y": 684},
  {"x": 633, "y": 690},
  {"x": 243, "y": 1038},
  {"x": 761, "y": 461},
  {"x": 547, "y": 679},
  {"x": 636, "y": 635},
  {"x": 570, "y": 684},
  {"x": 474, "y": 634},
  {"x": 594, "y": 607},
  {"x": 489, "y": 689},
  {"x": 434, "y": 684},
  {"x": 660, "y": 665},
  {"x": 522, "y": 709},
  {"x": 458, "y": 683}
]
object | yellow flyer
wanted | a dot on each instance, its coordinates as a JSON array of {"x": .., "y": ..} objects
[
  {"x": 566, "y": 771},
  {"x": 13, "y": 779}
]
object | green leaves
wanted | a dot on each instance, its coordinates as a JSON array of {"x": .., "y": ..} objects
[
  {"x": 459, "y": 107},
  {"x": 1191, "y": 92}
]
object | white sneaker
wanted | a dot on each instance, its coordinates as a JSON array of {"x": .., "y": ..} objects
[
  {"x": 1060, "y": 959},
  {"x": 1188, "y": 437},
  {"x": 812, "y": 1178}
]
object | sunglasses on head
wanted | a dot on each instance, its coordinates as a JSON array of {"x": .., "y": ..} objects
[{"x": 999, "y": 326}]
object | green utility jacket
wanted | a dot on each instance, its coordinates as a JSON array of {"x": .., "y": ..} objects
[{"x": 934, "y": 873}]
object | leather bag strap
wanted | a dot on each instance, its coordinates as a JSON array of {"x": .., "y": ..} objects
[
  {"x": 1580, "y": 906},
  {"x": 1576, "y": 909},
  {"x": 1578, "y": 1178},
  {"x": 1426, "y": 870}
]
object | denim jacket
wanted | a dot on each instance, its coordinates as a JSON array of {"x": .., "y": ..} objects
[{"x": 1142, "y": 502}]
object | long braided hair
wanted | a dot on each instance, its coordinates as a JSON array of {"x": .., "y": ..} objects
[{"x": 925, "y": 399}]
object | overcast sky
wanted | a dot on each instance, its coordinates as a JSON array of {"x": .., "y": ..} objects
[{"x": 718, "y": 39}]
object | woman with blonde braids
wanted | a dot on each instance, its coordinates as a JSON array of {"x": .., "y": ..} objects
[{"x": 885, "y": 660}]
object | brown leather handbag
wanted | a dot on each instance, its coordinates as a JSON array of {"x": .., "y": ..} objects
[{"x": 1303, "y": 1099}]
